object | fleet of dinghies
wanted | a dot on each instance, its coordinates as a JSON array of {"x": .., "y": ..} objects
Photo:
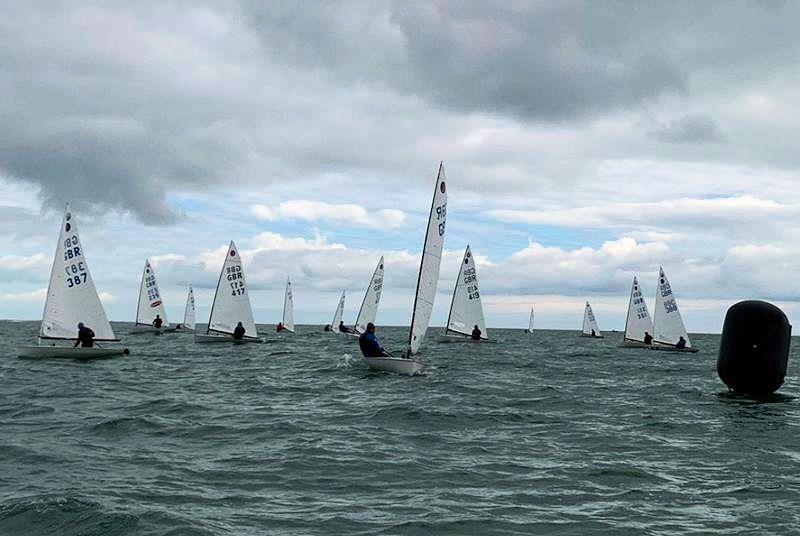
[{"x": 72, "y": 299}]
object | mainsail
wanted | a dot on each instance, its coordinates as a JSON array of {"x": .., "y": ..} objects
[
  {"x": 71, "y": 294},
  {"x": 288, "y": 308},
  {"x": 466, "y": 310},
  {"x": 638, "y": 321},
  {"x": 667, "y": 322},
  {"x": 590, "y": 323},
  {"x": 231, "y": 301},
  {"x": 429, "y": 265},
  {"x": 530, "y": 322},
  {"x": 150, "y": 303},
  {"x": 337, "y": 315},
  {"x": 188, "y": 313},
  {"x": 372, "y": 298}
]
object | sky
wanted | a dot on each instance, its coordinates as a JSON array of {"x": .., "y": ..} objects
[{"x": 583, "y": 142}]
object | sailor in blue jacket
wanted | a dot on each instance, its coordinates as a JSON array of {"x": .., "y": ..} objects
[{"x": 369, "y": 344}]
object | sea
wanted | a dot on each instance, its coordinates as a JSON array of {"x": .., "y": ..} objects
[{"x": 547, "y": 434}]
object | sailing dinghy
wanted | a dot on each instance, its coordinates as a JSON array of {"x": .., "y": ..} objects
[
  {"x": 427, "y": 282},
  {"x": 72, "y": 298},
  {"x": 337, "y": 315},
  {"x": 638, "y": 321},
  {"x": 188, "y": 312},
  {"x": 231, "y": 304},
  {"x": 466, "y": 310},
  {"x": 369, "y": 306},
  {"x": 288, "y": 308},
  {"x": 150, "y": 304},
  {"x": 668, "y": 325},
  {"x": 590, "y": 328},
  {"x": 529, "y": 331}
]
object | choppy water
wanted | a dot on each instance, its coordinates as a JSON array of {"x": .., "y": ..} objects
[{"x": 550, "y": 434}]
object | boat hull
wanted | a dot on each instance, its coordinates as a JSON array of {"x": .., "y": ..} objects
[
  {"x": 665, "y": 348},
  {"x": 457, "y": 338},
  {"x": 204, "y": 338},
  {"x": 633, "y": 344},
  {"x": 142, "y": 329},
  {"x": 68, "y": 352},
  {"x": 592, "y": 336},
  {"x": 400, "y": 365}
]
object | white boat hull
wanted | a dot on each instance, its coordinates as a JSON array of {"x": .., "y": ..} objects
[
  {"x": 458, "y": 338},
  {"x": 68, "y": 352},
  {"x": 400, "y": 365},
  {"x": 142, "y": 329},
  {"x": 204, "y": 338}
]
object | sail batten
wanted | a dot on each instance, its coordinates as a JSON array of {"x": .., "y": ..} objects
[
  {"x": 71, "y": 294},
  {"x": 430, "y": 263},
  {"x": 231, "y": 301}
]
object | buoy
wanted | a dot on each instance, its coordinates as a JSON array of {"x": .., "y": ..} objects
[{"x": 754, "y": 350}]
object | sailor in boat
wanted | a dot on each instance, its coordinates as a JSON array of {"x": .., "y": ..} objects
[
  {"x": 681, "y": 344},
  {"x": 85, "y": 337},
  {"x": 648, "y": 339},
  {"x": 279, "y": 327},
  {"x": 476, "y": 333},
  {"x": 157, "y": 321},
  {"x": 594, "y": 334},
  {"x": 369, "y": 344},
  {"x": 343, "y": 328},
  {"x": 239, "y": 331},
  {"x": 328, "y": 327}
]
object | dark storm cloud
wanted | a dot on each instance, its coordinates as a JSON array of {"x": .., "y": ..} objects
[{"x": 113, "y": 105}]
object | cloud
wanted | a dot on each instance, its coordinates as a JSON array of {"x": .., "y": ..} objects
[
  {"x": 695, "y": 128},
  {"x": 346, "y": 214}
]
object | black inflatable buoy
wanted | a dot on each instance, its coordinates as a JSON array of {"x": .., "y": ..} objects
[{"x": 754, "y": 349}]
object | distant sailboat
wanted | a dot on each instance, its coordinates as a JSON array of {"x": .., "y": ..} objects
[
  {"x": 638, "y": 321},
  {"x": 231, "y": 304},
  {"x": 668, "y": 325},
  {"x": 427, "y": 282},
  {"x": 466, "y": 310},
  {"x": 150, "y": 304},
  {"x": 529, "y": 331},
  {"x": 590, "y": 328},
  {"x": 337, "y": 315},
  {"x": 189, "y": 312},
  {"x": 288, "y": 308},
  {"x": 372, "y": 298},
  {"x": 71, "y": 298}
]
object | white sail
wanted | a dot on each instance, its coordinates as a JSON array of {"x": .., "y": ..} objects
[
  {"x": 288, "y": 308},
  {"x": 71, "y": 295},
  {"x": 337, "y": 315},
  {"x": 372, "y": 298},
  {"x": 590, "y": 322},
  {"x": 466, "y": 310},
  {"x": 429, "y": 265},
  {"x": 150, "y": 303},
  {"x": 638, "y": 321},
  {"x": 667, "y": 322},
  {"x": 530, "y": 322},
  {"x": 188, "y": 314},
  {"x": 231, "y": 301}
]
